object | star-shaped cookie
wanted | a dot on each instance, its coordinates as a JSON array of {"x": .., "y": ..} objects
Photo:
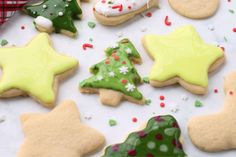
[
  {"x": 182, "y": 57},
  {"x": 34, "y": 70},
  {"x": 55, "y": 15},
  {"x": 58, "y": 134}
]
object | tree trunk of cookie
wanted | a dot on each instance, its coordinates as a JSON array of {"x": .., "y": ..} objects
[{"x": 110, "y": 97}]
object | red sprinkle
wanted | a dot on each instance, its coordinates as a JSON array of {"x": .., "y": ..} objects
[
  {"x": 215, "y": 90},
  {"x": 124, "y": 81},
  {"x": 120, "y": 7},
  {"x": 107, "y": 61},
  {"x": 149, "y": 14},
  {"x": 231, "y": 93},
  {"x": 86, "y": 45},
  {"x": 134, "y": 119},
  {"x": 162, "y": 97},
  {"x": 132, "y": 152},
  {"x": 167, "y": 22},
  {"x": 116, "y": 57},
  {"x": 22, "y": 27},
  {"x": 162, "y": 105},
  {"x": 234, "y": 29}
]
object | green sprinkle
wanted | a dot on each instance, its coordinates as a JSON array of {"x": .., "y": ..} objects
[
  {"x": 91, "y": 39},
  {"x": 4, "y": 42},
  {"x": 231, "y": 11},
  {"x": 226, "y": 40},
  {"x": 92, "y": 24},
  {"x": 198, "y": 103},
  {"x": 146, "y": 80},
  {"x": 112, "y": 122},
  {"x": 148, "y": 101}
]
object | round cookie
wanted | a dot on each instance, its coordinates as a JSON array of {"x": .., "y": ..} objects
[{"x": 195, "y": 9}]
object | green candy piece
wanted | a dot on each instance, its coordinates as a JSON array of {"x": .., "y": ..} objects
[
  {"x": 117, "y": 72},
  {"x": 91, "y": 24},
  {"x": 60, "y": 12},
  {"x": 198, "y": 103},
  {"x": 4, "y": 42},
  {"x": 152, "y": 141},
  {"x": 112, "y": 122}
]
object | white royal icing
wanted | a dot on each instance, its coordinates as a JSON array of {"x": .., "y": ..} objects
[
  {"x": 119, "y": 7},
  {"x": 43, "y": 22}
]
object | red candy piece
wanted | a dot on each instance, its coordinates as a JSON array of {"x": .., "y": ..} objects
[
  {"x": 86, "y": 45},
  {"x": 132, "y": 152},
  {"x": 167, "y": 22}
]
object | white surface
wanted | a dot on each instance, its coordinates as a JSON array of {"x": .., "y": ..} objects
[{"x": 10, "y": 131}]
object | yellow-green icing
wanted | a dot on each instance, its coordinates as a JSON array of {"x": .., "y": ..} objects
[
  {"x": 32, "y": 68},
  {"x": 183, "y": 54}
]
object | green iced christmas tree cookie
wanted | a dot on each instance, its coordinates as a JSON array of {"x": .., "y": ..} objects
[
  {"x": 115, "y": 78},
  {"x": 160, "y": 138},
  {"x": 55, "y": 15}
]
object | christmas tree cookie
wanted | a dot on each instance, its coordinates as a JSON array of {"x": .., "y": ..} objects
[
  {"x": 182, "y": 57},
  {"x": 34, "y": 70},
  {"x": 115, "y": 12},
  {"x": 160, "y": 138},
  {"x": 55, "y": 15},
  {"x": 115, "y": 78}
]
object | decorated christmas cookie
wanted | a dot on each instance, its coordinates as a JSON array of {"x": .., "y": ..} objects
[
  {"x": 114, "y": 12},
  {"x": 182, "y": 57},
  {"x": 159, "y": 138},
  {"x": 216, "y": 132},
  {"x": 58, "y": 134},
  {"x": 34, "y": 70},
  {"x": 115, "y": 78},
  {"x": 55, "y": 15},
  {"x": 195, "y": 9}
]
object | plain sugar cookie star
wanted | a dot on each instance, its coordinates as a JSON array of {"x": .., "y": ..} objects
[
  {"x": 34, "y": 70},
  {"x": 58, "y": 134},
  {"x": 182, "y": 57}
]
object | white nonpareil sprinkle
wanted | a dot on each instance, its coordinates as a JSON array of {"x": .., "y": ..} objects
[
  {"x": 211, "y": 27},
  {"x": 60, "y": 13},
  {"x": 184, "y": 97},
  {"x": 119, "y": 34},
  {"x": 44, "y": 6}
]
